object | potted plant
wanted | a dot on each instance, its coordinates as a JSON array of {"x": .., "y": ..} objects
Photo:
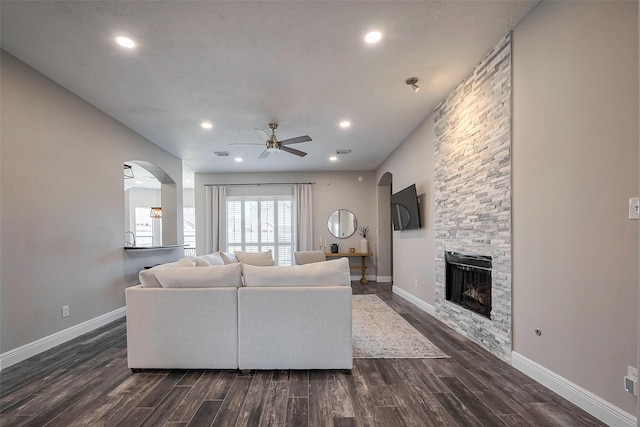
[{"x": 364, "y": 243}]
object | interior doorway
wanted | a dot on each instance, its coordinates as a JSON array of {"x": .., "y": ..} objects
[
  {"x": 150, "y": 208},
  {"x": 385, "y": 231}
]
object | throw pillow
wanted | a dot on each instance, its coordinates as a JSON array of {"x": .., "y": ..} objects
[
  {"x": 264, "y": 259},
  {"x": 214, "y": 276},
  {"x": 148, "y": 277},
  {"x": 327, "y": 273},
  {"x": 207, "y": 260},
  {"x": 228, "y": 257}
]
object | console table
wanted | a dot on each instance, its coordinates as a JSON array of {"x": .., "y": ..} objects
[{"x": 362, "y": 267}]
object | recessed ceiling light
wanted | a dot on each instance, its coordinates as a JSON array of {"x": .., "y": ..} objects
[
  {"x": 345, "y": 124},
  {"x": 373, "y": 37},
  {"x": 138, "y": 182},
  {"x": 206, "y": 125},
  {"x": 125, "y": 42},
  {"x": 238, "y": 159},
  {"x": 333, "y": 158}
]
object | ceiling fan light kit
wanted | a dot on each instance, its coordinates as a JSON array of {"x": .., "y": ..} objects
[{"x": 274, "y": 146}]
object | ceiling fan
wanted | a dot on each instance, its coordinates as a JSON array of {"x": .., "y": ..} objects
[{"x": 273, "y": 145}]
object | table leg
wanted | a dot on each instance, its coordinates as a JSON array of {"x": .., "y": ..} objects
[{"x": 364, "y": 271}]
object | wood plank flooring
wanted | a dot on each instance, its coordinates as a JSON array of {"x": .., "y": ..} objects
[{"x": 86, "y": 382}]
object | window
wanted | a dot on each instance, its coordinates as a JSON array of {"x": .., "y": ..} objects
[
  {"x": 144, "y": 226},
  {"x": 260, "y": 223},
  {"x": 189, "y": 219}
]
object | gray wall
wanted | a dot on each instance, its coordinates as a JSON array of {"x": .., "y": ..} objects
[
  {"x": 575, "y": 164},
  {"x": 62, "y": 197},
  {"x": 333, "y": 190},
  {"x": 414, "y": 250}
]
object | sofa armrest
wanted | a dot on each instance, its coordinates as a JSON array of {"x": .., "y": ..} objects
[
  {"x": 295, "y": 327},
  {"x": 189, "y": 328}
]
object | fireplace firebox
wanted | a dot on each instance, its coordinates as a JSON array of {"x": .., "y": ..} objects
[{"x": 468, "y": 281}]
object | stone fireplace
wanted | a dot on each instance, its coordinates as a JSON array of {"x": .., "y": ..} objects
[{"x": 473, "y": 203}]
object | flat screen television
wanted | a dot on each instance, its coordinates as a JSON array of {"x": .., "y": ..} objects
[{"x": 405, "y": 214}]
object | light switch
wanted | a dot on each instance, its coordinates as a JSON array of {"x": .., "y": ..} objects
[{"x": 634, "y": 207}]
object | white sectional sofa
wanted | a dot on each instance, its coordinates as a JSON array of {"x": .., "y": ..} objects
[{"x": 194, "y": 315}]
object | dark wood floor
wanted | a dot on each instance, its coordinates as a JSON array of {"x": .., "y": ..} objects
[{"x": 86, "y": 382}]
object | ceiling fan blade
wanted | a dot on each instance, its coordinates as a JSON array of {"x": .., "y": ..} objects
[
  {"x": 264, "y": 154},
  {"x": 263, "y": 134},
  {"x": 247, "y": 143},
  {"x": 293, "y": 151},
  {"x": 296, "y": 140}
]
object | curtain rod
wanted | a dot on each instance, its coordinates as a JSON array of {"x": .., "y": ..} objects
[{"x": 262, "y": 183}]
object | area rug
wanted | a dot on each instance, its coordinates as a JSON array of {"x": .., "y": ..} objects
[{"x": 381, "y": 333}]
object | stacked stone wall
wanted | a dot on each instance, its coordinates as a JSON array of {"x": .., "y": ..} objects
[{"x": 473, "y": 192}]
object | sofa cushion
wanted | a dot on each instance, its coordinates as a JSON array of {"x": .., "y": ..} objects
[
  {"x": 214, "y": 276},
  {"x": 327, "y": 273},
  {"x": 148, "y": 277},
  {"x": 210, "y": 259},
  {"x": 263, "y": 259},
  {"x": 307, "y": 257}
]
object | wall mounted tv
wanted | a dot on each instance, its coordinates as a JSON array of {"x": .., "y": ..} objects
[{"x": 405, "y": 214}]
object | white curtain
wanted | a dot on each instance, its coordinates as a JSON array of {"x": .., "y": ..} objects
[
  {"x": 304, "y": 217},
  {"x": 215, "y": 218}
]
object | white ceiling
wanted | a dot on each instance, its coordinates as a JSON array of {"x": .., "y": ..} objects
[{"x": 243, "y": 64}]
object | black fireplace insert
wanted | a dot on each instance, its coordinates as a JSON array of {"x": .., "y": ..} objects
[{"x": 468, "y": 281}]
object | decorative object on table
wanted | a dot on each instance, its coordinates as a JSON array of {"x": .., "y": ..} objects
[
  {"x": 334, "y": 248},
  {"x": 380, "y": 333},
  {"x": 352, "y": 250},
  {"x": 364, "y": 243}
]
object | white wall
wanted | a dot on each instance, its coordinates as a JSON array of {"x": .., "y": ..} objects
[
  {"x": 62, "y": 222},
  {"x": 414, "y": 250},
  {"x": 332, "y": 190},
  {"x": 575, "y": 164}
]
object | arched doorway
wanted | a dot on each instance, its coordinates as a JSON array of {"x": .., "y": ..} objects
[{"x": 151, "y": 177}]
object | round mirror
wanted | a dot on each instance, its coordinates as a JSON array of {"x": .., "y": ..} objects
[{"x": 342, "y": 223}]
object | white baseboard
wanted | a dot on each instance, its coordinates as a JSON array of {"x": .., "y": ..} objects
[
  {"x": 26, "y": 351},
  {"x": 384, "y": 279},
  {"x": 596, "y": 406},
  {"x": 357, "y": 277},
  {"x": 415, "y": 300}
]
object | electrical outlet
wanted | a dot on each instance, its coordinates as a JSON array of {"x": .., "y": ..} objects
[
  {"x": 631, "y": 380},
  {"x": 634, "y": 208},
  {"x": 65, "y": 311},
  {"x": 415, "y": 283}
]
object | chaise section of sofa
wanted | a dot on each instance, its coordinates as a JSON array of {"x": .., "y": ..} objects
[{"x": 295, "y": 317}]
